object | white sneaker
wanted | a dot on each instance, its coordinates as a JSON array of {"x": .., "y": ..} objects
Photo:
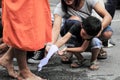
[
  {"x": 33, "y": 61},
  {"x": 38, "y": 55},
  {"x": 111, "y": 43}
]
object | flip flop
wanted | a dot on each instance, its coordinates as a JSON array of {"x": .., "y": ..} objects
[
  {"x": 66, "y": 58},
  {"x": 102, "y": 54},
  {"x": 94, "y": 65},
  {"x": 78, "y": 64}
]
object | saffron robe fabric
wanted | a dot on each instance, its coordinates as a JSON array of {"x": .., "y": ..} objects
[{"x": 26, "y": 23}]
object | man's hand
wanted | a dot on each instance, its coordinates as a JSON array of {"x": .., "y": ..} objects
[
  {"x": 48, "y": 45},
  {"x": 62, "y": 51}
]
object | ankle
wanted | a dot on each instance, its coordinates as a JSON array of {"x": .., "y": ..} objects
[
  {"x": 92, "y": 61},
  {"x": 25, "y": 73},
  {"x": 80, "y": 59}
]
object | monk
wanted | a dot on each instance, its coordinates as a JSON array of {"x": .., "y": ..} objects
[{"x": 26, "y": 27}]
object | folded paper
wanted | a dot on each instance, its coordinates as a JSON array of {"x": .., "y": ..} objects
[{"x": 45, "y": 60}]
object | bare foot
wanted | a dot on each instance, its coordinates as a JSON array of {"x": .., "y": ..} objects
[
  {"x": 94, "y": 65},
  {"x": 20, "y": 77},
  {"x": 9, "y": 66},
  {"x": 37, "y": 78},
  {"x": 3, "y": 45},
  {"x": 29, "y": 76}
]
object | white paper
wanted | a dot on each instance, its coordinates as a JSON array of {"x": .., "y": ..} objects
[{"x": 45, "y": 60}]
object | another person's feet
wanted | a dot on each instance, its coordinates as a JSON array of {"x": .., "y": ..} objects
[
  {"x": 105, "y": 43},
  {"x": 108, "y": 43},
  {"x": 27, "y": 75},
  {"x": 38, "y": 55},
  {"x": 102, "y": 54},
  {"x": 66, "y": 57},
  {"x": 94, "y": 65},
  {"x": 78, "y": 63},
  {"x": 9, "y": 66},
  {"x": 111, "y": 43}
]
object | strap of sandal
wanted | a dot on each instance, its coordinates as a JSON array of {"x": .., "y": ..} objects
[
  {"x": 94, "y": 62},
  {"x": 102, "y": 51},
  {"x": 82, "y": 61}
]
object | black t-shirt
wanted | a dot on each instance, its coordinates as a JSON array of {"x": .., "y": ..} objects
[{"x": 74, "y": 27}]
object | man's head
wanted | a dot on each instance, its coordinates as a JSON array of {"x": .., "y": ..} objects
[{"x": 91, "y": 27}]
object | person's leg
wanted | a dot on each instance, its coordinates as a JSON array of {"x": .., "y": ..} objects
[
  {"x": 110, "y": 6},
  {"x": 30, "y": 54},
  {"x": 80, "y": 61},
  {"x": 7, "y": 61},
  {"x": 79, "y": 56},
  {"x": 94, "y": 65},
  {"x": 37, "y": 56},
  {"x": 25, "y": 72},
  {"x": 96, "y": 45},
  {"x": 72, "y": 41},
  {"x": 66, "y": 59},
  {"x": 94, "y": 54},
  {"x": 106, "y": 35}
]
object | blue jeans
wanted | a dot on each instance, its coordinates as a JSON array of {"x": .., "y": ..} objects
[
  {"x": 108, "y": 28},
  {"x": 96, "y": 43}
]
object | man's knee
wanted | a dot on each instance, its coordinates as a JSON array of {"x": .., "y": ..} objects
[
  {"x": 96, "y": 43},
  {"x": 107, "y": 34}
]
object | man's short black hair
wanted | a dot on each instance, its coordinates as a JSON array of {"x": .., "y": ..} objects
[{"x": 92, "y": 25}]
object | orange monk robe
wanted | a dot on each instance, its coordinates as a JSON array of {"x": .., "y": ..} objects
[{"x": 27, "y": 23}]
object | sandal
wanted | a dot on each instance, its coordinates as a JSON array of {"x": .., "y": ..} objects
[
  {"x": 66, "y": 58},
  {"x": 94, "y": 65},
  {"x": 78, "y": 64},
  {"x": 102, "y": 54}
]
